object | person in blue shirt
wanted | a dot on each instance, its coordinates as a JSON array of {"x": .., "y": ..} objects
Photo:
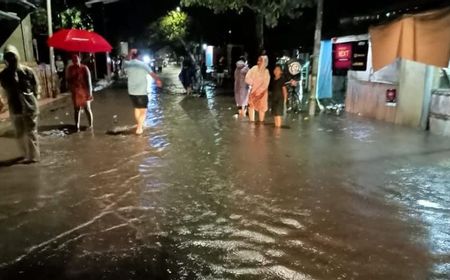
[{"x": 137, "y": 72}]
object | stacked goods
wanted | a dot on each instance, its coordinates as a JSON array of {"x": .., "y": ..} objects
[
  {"x": 3, "y": 104},
  {"x": 440, "y": 112},
  {"x": 48, "y": 82}
]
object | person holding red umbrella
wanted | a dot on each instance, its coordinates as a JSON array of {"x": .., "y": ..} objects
[
  {"x": 78, "y": 78},
  {"x": 78, "y": 40}
]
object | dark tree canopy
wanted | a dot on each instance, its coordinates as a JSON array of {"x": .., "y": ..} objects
[{"x": 270, "y": 10}]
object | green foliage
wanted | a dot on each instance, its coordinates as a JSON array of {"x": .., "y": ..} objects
[
  {"x": 173, "y": 26},
  {"x": 73, "y": 18},
  {"x": 270, "y": 10},
  {"x": 218, "y": 5},
  {"x": 39, "y": 21},
  {"x": 68, "y": 18}
]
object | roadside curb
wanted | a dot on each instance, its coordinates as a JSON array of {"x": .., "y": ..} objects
[{"x": 46, "y": 107}]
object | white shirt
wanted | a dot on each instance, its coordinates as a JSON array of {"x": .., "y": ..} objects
[
  {"x": 138, "y": 72},
  {"x": 59, "y": 65}
]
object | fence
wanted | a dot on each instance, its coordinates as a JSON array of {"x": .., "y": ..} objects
[{"x": 49, "y": 83}]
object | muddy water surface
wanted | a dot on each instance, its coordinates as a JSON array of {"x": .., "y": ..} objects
[{"x": 203, "y": 195}]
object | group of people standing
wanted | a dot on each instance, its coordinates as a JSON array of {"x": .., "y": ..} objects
[
  {"x": 251, "y": 90},
  {"x": 22, "y": 89},
  {"x": 79, "y": 83}
]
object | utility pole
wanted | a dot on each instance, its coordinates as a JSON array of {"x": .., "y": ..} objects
[
  {"x": 50, "y": 33},
  {"x": 316, "y": 53}
]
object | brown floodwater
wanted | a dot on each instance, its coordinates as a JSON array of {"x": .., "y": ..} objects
[{"x": 203, "y": 195}]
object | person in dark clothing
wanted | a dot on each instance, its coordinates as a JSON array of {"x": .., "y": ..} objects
[
  {"x": 60, "y": 68},
  {"x": 22, "y": 87},
  {"x": 203, "y": 69},
  {"x": 187, "y": 75},
  {"x": 279, "y": 95},
  {"x": 220, "y": 71}
]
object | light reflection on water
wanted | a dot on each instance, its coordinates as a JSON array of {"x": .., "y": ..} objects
[
  {"x": 205, "y": 196},
  {"x": 426, "y": 191}
]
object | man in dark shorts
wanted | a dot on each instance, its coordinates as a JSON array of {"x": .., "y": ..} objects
[
  {"x": 137, "y": 72},
  {"x": 279, "y": 95}
]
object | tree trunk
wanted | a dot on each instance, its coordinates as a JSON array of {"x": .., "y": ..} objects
[
  {"x": 188, "y": 50},
  {"x": 315, "y": 65},
  {"x": 260, "y": 31}
]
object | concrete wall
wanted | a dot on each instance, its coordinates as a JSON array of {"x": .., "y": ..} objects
[
  {"x": 368, "y": 99},
  {"x": 415, "y": 84},
  {"x": 440, "y": 112},
  {"x": 25, "y": 44},
  {"x": 411, "y": 93}
]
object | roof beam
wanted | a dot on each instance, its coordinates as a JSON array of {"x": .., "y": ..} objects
[
  {"x": 23, "y": 3},
  {"x": 90, "y": 3},
  {"x": 8, "y": 16}
]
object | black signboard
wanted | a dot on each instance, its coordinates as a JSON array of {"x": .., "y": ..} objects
[{"x": 359, "y": 56}]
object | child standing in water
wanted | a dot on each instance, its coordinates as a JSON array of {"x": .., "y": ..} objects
[
  {"x": 240, "y": 87},
  {"x": 279, "y": 95}
]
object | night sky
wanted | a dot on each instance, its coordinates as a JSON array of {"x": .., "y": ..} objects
[{"x": 127, "y": 20}]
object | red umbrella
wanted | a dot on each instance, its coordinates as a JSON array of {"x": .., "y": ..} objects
[{"x": 78, "y": 40}]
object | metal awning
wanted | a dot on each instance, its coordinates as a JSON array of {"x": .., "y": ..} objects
[
  {"x": 15, "y": 9},
  {"x": 12, "y": 12},
  {"x": 22, "y": 3},
  {"x": 8, "y": 16},
  {"x": 90, "y": 3}
]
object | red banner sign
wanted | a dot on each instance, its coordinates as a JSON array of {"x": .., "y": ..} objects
[{"x": 343, "y": 56}]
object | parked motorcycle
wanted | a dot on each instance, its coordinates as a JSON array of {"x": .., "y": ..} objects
[{"x": 292, "y": 70}]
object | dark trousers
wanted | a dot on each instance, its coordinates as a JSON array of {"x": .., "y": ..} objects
[
  {"x": 62, "y": 82},
  {"x": 26, "y": 127}
]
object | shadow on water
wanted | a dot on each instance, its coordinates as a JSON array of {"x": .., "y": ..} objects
[
  {"x": 122, "y": 130},
  {"x": 8, "y": 134},
  {"x": 10, "y": 162}
]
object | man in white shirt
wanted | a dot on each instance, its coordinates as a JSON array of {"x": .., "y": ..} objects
[{"x": 137, "y": 72}]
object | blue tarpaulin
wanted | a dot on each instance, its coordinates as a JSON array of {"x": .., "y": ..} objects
[{"x": 325, "y": 72}]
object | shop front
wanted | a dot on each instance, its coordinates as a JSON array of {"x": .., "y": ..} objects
[{"x": 405, "y": 60}]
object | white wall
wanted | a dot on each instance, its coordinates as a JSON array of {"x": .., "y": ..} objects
[
  {"x": 411, "y": 93},
  {"x": 25, "y": 45}
]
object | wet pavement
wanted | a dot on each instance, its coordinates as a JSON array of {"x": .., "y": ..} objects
[{"x": 202, "y": 195}]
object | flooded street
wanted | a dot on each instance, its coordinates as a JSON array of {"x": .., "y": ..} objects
[{"x": 203, "y": 195}]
